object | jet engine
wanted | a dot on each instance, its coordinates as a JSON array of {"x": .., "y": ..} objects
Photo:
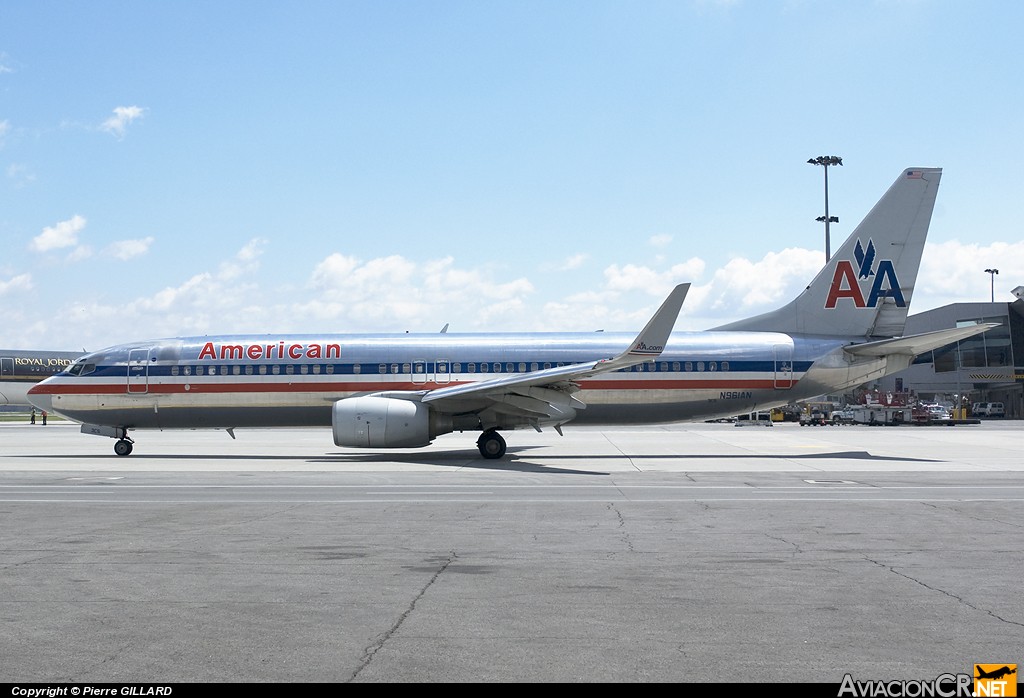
[{"x": 380, "y": 422}]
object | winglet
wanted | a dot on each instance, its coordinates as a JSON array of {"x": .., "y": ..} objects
[{"x": 654, "y": 336}]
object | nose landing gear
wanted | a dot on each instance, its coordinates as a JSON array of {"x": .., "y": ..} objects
[{"x": 123, "y": 446}]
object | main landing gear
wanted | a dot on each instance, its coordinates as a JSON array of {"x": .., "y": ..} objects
[
  {"x": 491, "y": 444},
  {"x": 123, "y": 446}
]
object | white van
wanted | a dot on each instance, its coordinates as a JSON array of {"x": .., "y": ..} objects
[{"x": 988, "y": 409}]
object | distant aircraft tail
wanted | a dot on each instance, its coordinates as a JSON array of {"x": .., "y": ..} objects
[{"x": 865, "y": 289}]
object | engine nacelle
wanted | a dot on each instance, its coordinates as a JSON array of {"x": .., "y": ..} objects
[{"x": 380, "y": 422}]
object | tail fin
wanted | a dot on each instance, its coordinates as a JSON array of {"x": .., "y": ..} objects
[{"x": 865, "y": 289}]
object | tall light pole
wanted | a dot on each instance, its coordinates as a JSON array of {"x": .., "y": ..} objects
[
  {"x": 992, "y": 275},
  {"x": 825, "y": 161}
]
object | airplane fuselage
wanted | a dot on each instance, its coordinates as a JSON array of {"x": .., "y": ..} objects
[{"x": 254, "y": 381}]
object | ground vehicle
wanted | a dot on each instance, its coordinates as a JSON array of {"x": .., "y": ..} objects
[
  {"x": 844, "y": 416},
  {"x": 988, "y": 409},
  {"x": 814, "y": 415}
]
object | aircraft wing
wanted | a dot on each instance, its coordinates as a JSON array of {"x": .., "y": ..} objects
[
  {"x": 917, "y": 344},
  {"x": 548, "y": 393}
]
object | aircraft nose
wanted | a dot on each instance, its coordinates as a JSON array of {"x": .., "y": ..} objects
[{"x": 39, "y": 399}]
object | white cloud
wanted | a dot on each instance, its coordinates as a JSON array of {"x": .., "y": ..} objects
[
  {"x": 128, "y": 249},
  {"x": 660, "y": 240},
  {"x": 632, "y": 277},
  {"x": 345, "y": 293},
  {"x": 79, "y": 253},
  {"x": 395, "y": 293},
  {"x": 19, "y": 174},
  {"x": 252, "y": 250},
  {"x": 63, "y": 234},
  {"x": 245, "y": 262},
  {"x": 122, "y": 118},
  {"x": 953, "y": 272},
  {"x": 22, "y": 282},
  {"x": 575, "y": 261},
  {"x": 743, "y": 284}
]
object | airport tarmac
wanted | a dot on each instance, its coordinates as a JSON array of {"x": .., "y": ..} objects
[{"x": 682, "y": 553}]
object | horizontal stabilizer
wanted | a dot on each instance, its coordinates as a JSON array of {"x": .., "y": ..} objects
[{"x": 917, "y": 344}]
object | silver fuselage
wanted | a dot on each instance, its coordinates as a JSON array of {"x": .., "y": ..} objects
[{"x": 261, "y": 381}]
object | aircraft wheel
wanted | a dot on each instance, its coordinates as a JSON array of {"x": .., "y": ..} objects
[
  {"x": 122, "y": 447},
  {"x": 491, "y": 445}
]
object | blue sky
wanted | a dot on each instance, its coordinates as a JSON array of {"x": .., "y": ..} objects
[{"x": 197, "y": 168}]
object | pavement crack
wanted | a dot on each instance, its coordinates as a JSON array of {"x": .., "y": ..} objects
[
  {"x": 959, "y": 599},
  {"x": 622, "y": 527},
  {"x": 622, "y": 453},
  {"x": 796, "y": 546},
  {"x": 370, "y": 652}
]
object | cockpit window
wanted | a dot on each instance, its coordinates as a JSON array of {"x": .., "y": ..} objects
[{"x": 81, "y": 369}]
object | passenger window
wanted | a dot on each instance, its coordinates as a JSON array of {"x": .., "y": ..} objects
[
  {"x": 174, "y": 370},
  {"x": 382, "y": 368},
  {"x": 725, "y": 365},
  {"x": 700, "y": 365},
  {"x": 689, "y": 365},
  {"x": 263, "y": 369},
  {"x": 304, "y": 369},
  {"x": 248, "y": 370},
  {"x": 188, "y": 370},
  {"x": 289, "y": 370},
  {"x": 675, "y": 366},
  {"x": 316, "y": 369},
  {"x": 276, "y": 370},
  {"x": 357, "y": 368},
  {"x": 236, "y": 369}
]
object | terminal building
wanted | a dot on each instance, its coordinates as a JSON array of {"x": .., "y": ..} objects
[{"x": 986, "y": 368}]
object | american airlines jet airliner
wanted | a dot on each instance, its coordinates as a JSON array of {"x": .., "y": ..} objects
[{"x": 404, "y": 390}]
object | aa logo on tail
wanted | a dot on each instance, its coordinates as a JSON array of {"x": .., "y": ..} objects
[{"x": 848, "y": 276}]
